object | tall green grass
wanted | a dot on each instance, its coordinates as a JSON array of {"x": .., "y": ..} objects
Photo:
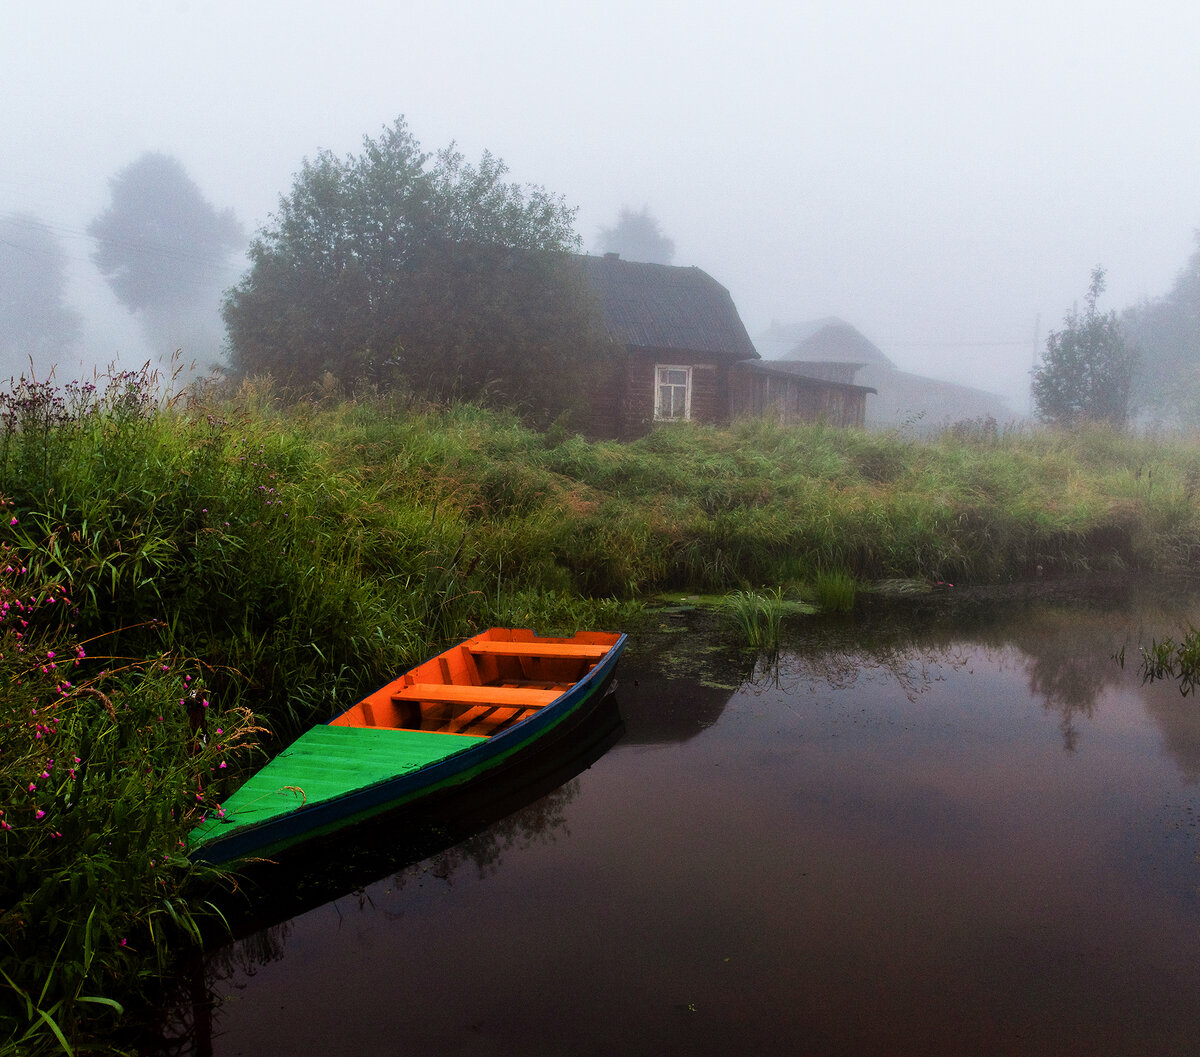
[
  {"x": 834, "y": 591},
  {"x": 105, "y": 761}
]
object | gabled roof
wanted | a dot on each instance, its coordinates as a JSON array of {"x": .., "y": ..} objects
[
  {"x": 827, "y": 340},
  {"x": 661, "y": 306}
]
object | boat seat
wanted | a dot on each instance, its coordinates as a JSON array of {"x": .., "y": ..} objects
[
  {"x": 572, "y": 650},
  {"x": 519, "y": 696},
  {"x": 486, "y": 719}
]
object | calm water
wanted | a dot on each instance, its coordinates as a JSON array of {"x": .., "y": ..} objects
[{"x": 932, "y": 831}]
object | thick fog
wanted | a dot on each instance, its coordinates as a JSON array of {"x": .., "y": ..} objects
[{"x": 942, "y": 176}]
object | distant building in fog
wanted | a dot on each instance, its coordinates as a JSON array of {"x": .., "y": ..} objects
[{"x": 832, "y": 349}]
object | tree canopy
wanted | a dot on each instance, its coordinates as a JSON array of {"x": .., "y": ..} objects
[
  {"x": 160, "y": 242},
  {"x": 1087, "y": 370},
  {"x": 165, "y": 252},
  {"x": 398, "y": 267},
  {"x": 35, "y": 322},
  {"x": 637, "y": 236}
]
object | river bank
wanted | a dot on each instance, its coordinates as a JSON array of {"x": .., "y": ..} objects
[{"x": 219, "y": 573}]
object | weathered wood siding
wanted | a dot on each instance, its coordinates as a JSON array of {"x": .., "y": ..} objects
[{"x": 796, "y": 398}]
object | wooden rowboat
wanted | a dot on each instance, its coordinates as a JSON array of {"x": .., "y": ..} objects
[{"x": 467, "y": 713}]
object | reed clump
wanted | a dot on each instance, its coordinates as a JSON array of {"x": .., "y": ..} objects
[
  {"x": 834, "y": 591},
  {"x": 756, "y": 616}
]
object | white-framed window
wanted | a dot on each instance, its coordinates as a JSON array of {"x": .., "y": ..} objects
[{"x": 672, "y": 393}]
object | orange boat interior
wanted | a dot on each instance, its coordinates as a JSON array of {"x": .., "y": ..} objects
[{"x": 484, "y": 685}]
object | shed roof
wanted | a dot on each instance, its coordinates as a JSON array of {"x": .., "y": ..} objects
[{"x": 662, "y": 306}]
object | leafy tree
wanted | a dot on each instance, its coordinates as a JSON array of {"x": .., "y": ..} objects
[
  {"x": 397, "y": 267},
  {"x": 35, "y": 323},
  {"x": 1167, "y": 331},
  {"x": 165, "y": 252},
  {"x": 1087, "y": 370},
  {"x": 637, "y": 237}
]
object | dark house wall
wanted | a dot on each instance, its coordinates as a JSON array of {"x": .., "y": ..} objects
[{"x": 710, "y": 389}]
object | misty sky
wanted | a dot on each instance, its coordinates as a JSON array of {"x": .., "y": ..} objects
[{"x": 938, "y": 176}]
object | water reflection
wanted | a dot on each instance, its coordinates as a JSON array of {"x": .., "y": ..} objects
[{"x": 872, "y": 844}]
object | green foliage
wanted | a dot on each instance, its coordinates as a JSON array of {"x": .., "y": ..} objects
[
  {"x": 834, "y": 591},
  {"x": 1087, "y": 371},
  {"x": 756, "y": 616},
  {"x": 105, "y": 763},
  {"x": 1168, "y": 659},
  {"x": 395, "y": 267}
]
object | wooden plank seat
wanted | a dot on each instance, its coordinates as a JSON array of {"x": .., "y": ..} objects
[
  {"x": 485, "y": 719},
  {"x": 572, "y": 650},
  {"x": 512, "y": 696}
]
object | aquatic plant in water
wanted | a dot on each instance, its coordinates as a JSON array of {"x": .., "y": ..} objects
[
  {"x": 1168, "y": 659},
  {"x": 835, "y": 591},
  {"x": 757, "y": 617}
]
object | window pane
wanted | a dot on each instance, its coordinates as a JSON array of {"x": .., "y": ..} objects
[{"x": 672, "y": 384}]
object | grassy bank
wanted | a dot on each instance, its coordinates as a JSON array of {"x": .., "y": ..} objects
[{"x": 181, "y": 573}]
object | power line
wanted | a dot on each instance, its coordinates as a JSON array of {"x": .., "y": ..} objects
[{"x": 143, "y": 247}]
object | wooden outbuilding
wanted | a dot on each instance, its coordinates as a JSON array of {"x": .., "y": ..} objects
[{"x": 787, "y": 392}]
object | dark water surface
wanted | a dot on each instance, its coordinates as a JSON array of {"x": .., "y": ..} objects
[{"x": 930, "y": 831}]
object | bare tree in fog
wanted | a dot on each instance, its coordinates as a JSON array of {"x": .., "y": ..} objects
[
  {"x": 398, "y": 268},
  {"x": 35, "y": 323},
  {"x": 637, "y": 237},
  {"x": 165, "y": 251}
]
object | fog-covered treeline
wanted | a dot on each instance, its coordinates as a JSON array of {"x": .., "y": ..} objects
[{"x": 1166, "y": 329}]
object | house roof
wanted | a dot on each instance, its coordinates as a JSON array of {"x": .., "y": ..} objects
[
  {"x": 661, "y": 306},
  {"x": 827, "y": 340}
]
